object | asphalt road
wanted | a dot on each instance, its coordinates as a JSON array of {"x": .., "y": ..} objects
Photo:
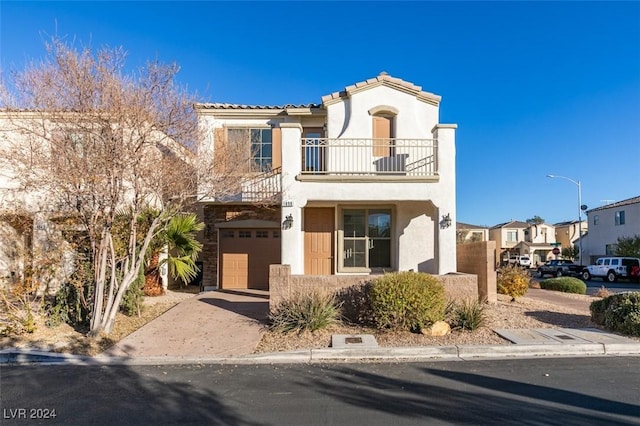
[{"x": 564, "y": 391}]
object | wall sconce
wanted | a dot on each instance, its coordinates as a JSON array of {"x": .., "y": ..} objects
[
  {"x": 446, "y": 221},
  {"x": 288, "y": 222}
]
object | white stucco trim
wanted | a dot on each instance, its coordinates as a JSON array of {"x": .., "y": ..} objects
[
  {"x": 366, "y": 179},
  {"x": 383, "y": 108}
]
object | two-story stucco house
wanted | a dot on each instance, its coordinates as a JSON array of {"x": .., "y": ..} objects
[
  {"x": 608, "y": 223},
  {"x": 361, "y": 183}
]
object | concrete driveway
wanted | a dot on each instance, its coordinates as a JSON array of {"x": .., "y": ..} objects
[{"x": 222, "y": 323}]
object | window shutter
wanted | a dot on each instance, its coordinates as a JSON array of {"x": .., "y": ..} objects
[{"x": 276, "y": 147}]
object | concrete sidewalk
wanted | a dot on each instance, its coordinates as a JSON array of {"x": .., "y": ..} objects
[
  {"x": 560, "y": 299},
  {"x": 211, "y": 324},
  {"x": 226, "y": 326}
]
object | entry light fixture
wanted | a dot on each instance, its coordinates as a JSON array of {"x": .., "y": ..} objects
[
  {"x": 446, "y": 221},
  {"x": 288, "y": 222}
]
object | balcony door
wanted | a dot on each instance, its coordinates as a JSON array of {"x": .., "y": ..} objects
[
  {"x": 314, "y": 149},
  {"x": 383, "y": 134}
]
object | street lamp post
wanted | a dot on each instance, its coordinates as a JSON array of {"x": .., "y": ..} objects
[{"x": 579, "y": 209}]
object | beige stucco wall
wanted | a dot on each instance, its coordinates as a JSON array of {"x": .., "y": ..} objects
[
  {"x": 283, "y": 285},
  {"x": 606, "y": 232},
  {"x": 479, "y": 259}
]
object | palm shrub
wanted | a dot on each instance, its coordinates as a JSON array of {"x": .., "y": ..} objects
[
  {"x": 565, "y": 284},
  {"x": 307, "y": 311},
  {"x": 407, "y": 300},
  {"x": 618, "y": 312},
  {"x": 513, "y": 281}
]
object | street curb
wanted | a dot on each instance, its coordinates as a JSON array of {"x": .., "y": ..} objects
[{"x": 397, "y": 354}]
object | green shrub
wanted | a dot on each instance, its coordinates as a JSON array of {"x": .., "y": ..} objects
[
  {"x": 513, "y": 281},
  {"x": 134, "y": 296},
  {"x": 310, "y": 311},
  {"x": 565, "y": 284},
  {"x": 407, "y": 300},
  {"x": 619, "y": 312},
  {"x": 468, "y": 315},
  {"x": 68, "y": 306}
]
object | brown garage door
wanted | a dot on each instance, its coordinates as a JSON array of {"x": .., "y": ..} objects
[{"x": 246, "y": 255}]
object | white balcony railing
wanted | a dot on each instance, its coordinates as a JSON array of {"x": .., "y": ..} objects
[
  {"x": 369, "y": 157},
  {"x": 263, "y": 187}
]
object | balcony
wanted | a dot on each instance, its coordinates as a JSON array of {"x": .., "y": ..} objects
[{"x": 369, "y": 158}]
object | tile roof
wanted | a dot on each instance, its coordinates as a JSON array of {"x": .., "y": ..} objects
[
  {"x": 387, "y": 80},
  {"x": 382, "y": 79},
  {"x": 242, "y": 106},
  {"x": 512, "y": 224},
  {"x": 626, "y": 202},
  {"x": 461, "y": 225}
]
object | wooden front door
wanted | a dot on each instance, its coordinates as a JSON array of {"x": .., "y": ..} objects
[{"x": 318, "y": 240}]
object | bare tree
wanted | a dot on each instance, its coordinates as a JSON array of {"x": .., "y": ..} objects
[{"x": 89, "y": 141}]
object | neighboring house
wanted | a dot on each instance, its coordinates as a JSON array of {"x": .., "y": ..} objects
[
  {"x": 361, "y": 183},
  {"x": 607, "y": 224},
  {"x": 507, "y": 235},
  {"x": 33, "y": 222},
  {"x": 517, "y": 238},
  {"x": 466, "y": 233},
  {"x": 568, "y": 233}
]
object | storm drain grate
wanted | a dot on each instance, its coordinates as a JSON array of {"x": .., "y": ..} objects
[
  {"x": 564, "y": 337},
  {"x": 348, "y": 341}
]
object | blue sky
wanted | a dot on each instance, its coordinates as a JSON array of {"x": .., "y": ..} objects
[{"x": 536, "y": 88}]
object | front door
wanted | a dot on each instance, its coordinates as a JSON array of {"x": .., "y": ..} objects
[{"x": 318, "y": 241}]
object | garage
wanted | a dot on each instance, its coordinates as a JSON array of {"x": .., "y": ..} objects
[{"x": 247, "y": 248}]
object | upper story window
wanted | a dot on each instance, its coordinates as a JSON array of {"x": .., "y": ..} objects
[
  {"x": 596, "y": 219},
  {"x": 260, "y": 142},
  {"x": 512, "y": 235},
  {"x": 619, "y": 217}
]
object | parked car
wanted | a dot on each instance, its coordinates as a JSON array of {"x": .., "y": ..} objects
[
  {"x": 524, "y": 261},
  {"x": 612, "y": 268},
  {"x": 559, "y": 267}
]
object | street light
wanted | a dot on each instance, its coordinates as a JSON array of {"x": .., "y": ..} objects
[{"x": 579, "y": 208}]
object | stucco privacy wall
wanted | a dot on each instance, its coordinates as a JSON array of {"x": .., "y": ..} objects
[
  {"x": 479, "y": 259},
  {"x": 282, "y": 285}
]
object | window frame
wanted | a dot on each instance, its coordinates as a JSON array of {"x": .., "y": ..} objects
[
  {"x": 259, "y": 163},
  {"x": 366, "y": 238}
]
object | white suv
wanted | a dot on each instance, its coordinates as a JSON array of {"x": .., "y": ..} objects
[
  {"x": 612, "y": 268},
  {"x": 524, "y": 261}
]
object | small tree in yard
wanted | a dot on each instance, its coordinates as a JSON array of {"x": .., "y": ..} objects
[
  {"x": 628, "y": 246},
  {"x": 94, "y": 142},
  {"x": 571, "y": 252}
]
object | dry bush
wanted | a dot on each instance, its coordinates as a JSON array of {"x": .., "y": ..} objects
[{"x": 603, "y": 292}]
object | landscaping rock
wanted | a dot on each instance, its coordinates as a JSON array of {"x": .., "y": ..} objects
[{"x": 439, "y": 328}]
